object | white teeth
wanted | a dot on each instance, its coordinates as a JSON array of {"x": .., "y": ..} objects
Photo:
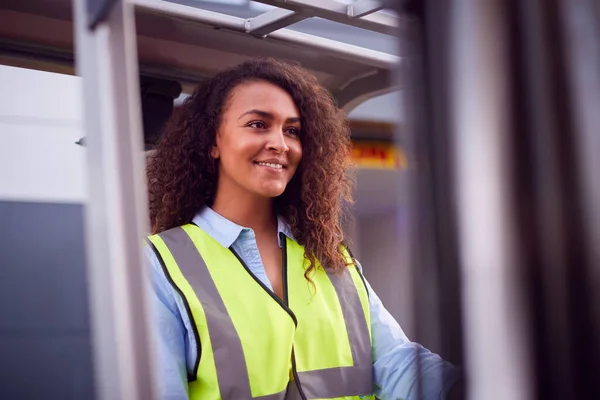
[{"x": 276, "y": 166}]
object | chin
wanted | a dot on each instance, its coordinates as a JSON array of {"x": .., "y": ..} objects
[{"x": 273, "y": 191}]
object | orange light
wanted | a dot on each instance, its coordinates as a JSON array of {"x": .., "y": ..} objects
[{"x": 377, "y": 155}]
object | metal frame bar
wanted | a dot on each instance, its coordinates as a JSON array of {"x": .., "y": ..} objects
[
  {"x": 582, "y": 38},
  {"x": 359, "y": 14},
  {"x": 363, "y": 88},
  {"x": 344, "y": 13},
  {"x": 432, "y": 237},
  {"x": 515, "y": 113},
  {"x": 360, "y": 8},
  {"x": 106, "y": 58},
  {"x": 379, "y": 60},
  {"x": 580, "y": 44},
  {"x": 271, "y": 21},
  {"x": 493, "y": 299},
  {"x": 219, "y": 20},
  {"x": 370, "y": 57}
]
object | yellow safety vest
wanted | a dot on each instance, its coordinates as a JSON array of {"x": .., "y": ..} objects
[{"x": 315, "y": 343}]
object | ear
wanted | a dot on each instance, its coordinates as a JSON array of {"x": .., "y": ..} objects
[{"x": 214, "y": 152}]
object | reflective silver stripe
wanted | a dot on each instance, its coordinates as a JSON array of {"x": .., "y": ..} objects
[
  {"x": 337, "y": 382},
  {"x": 276, "y": 396},
  {"x": 291, "y": 393},
  {"x": 354, "y": 316},
  {"x": 232, "y": 373},
  {"x": 345, "y": 381}
]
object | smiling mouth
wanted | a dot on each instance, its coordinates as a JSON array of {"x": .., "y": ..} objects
[{"x": 274, "y": 166}]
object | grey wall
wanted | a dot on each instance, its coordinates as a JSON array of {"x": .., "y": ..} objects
[
  {"x": 45, "y": 350},
  {"x": 385, "y": 264}
]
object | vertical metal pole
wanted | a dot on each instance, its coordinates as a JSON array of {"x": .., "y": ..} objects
[
  {"x": 582, "y": 47},
  {"x": 524, "y": 90},
  {"x": 580, "y": 36},
  {"x": 106, "y": 57},
  {"x": 424, "y": 76},
  {"x": 496, "y": 319}
]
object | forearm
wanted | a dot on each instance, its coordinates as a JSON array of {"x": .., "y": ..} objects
[{"x": 412, "y": 372}]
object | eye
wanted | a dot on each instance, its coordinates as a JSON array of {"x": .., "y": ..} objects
[
  {"x": 292, "y": 130},
  {"x": 257, "y": 125}
]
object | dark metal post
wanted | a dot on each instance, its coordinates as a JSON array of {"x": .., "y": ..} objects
[
  {"x": 426, "y": 141},
  {"x": 504, "y": 99}
]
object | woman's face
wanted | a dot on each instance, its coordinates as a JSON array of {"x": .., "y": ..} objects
[{"x": 258, "y": 144}]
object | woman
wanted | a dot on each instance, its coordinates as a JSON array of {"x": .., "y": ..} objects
[{"x": 246, "y": 187}]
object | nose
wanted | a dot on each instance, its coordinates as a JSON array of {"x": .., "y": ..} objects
[{"x": 277, "y": 142}]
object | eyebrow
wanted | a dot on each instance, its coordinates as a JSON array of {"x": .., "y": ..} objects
[{"x": 268, "y": 115}]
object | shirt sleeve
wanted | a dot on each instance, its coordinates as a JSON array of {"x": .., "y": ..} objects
[
  {"x": 395, "y": 360},
  {"x": 169, "y": 349}
]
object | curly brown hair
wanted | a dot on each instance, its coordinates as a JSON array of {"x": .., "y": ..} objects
[{"x": 182, "y": 176}]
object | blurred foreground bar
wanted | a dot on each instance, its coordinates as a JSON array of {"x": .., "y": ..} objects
[{"x": 504, "y": 134}]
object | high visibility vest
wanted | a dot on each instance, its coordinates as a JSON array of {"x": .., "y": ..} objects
[{"x": 315, "y": 343}]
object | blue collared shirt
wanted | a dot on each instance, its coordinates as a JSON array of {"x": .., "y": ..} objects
[{"x": 394, "y": 356}]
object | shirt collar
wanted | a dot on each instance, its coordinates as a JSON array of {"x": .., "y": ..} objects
[{"x": 226, "y": 232}]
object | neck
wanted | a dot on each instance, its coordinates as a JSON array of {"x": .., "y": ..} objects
[{"x": 252, "y": 212}]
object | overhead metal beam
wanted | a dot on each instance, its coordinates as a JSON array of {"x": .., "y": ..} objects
[
  {"x": 360, "y": 8},
  {"x": 362, "y": 88},
  {"x": 343, "y": 50},
  {"x": 338, "y": 12},
  {"x": 218, "y": 20},
  {"x": 272, "y": 20},
  {"x": 353, "y": 53}
]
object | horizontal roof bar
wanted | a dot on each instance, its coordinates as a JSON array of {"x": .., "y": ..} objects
[
  {"x": 271, "y": 21},
  {"x": 360, "y": 8},
  {"x": 339, "y": 12},
  {"x": 353, "y": 53},
  {"x": 348, "y": 51},
  {"x": 192, "y": 13}
]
